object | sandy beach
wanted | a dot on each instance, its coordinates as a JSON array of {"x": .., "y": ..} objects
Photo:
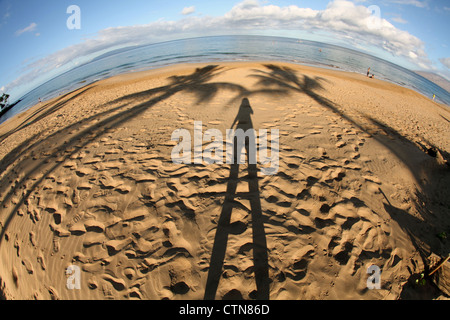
[{"x": 87, "y": 180}]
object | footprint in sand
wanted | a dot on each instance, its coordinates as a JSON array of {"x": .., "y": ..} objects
[
  {"x": 28, "y": 266},
  {"x": 372, "y": 179},
  {"x": 72, "y": 164},
  {"x": 340, "y": 144},
  {"x": 56, "y": 245},
  {"x": 95, "y": 159},
  {"x": 314, "y": 132},
  {"x": 15, "y": 275},
  {"x": 41, "y": 260},
  {"x": 78, "y": 156},
  {"x": 269, "y": 125},
  {"x": 77, "y": 229},
  {"x": 355, "y": 155},
  {"x": 343, "y": 253},
  {"x": 298, "y": 263},
  {"x": 17, "y": 246},
  {"x": 81, "y": 172},
  {"x": 109, "y": 182},
  {"x": 299, "y": 136},
  {"x": 113, "y": 151},
  {"x": 321, "y": 152},
  {"x": 82, "y": 186},
  {"x": 32, "y": 238},
  {"x": 338, "y": 136},
  {"x": 53, "y": 293}
]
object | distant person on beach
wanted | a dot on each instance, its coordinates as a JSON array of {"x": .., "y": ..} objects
[
  {"x": 372, "y": 76},
  {"x": 434, "y": 97},
  {"x": 368, "y": 72}
]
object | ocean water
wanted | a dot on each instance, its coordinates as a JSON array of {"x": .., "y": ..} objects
[{"x": 227, "y": 48}]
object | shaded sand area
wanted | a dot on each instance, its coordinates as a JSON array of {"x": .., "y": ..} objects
[{"x": 87, "y": 180}]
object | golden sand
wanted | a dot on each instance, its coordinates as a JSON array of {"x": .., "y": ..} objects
[{"x": 87, "y": 179}]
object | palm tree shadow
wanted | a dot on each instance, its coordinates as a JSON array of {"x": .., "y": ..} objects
[
  {"x": 224, "y": 227},
  {"x": 432, "y": 201},
  {"x": 285, "y": 78},
  {"x": 91, "y": 128},
  {"x": 46, "y": 110},
  {"x": 198, "y": 83}
]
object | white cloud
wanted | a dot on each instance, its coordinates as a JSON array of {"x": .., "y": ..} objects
[
  {"x": 30, "y": 28},
  {"x": 445, "y": 62},
  {"x": 416, "y": 3},
  {"x": 399, "y": 19},
  {"x": 251, "y": 10},
  {"x": 188, "y": 10},
  {"x": 341, "y": 20}
]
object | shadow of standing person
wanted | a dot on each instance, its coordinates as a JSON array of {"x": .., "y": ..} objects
[{"x": 224, "y": 228}]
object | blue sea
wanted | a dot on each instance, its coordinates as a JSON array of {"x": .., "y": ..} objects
[{"x": 227, "y": 48}]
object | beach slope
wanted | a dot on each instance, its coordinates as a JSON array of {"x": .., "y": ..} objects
[{"x": 87, "y": 181}]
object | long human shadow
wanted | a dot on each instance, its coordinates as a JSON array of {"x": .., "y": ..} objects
[
  {"x": 197, "y": 82},
  {"x": 200, "y": 83},
  {"x": 224, "y": 228}
]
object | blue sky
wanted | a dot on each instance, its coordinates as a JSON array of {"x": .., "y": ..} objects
[{"x": 37, "y": 44}]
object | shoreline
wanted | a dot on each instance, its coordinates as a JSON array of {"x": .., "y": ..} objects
[
  {"x": 87, "y": 180},
  {"x": 173, "y": 69},
  {"x": 324, "y": 67}
]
